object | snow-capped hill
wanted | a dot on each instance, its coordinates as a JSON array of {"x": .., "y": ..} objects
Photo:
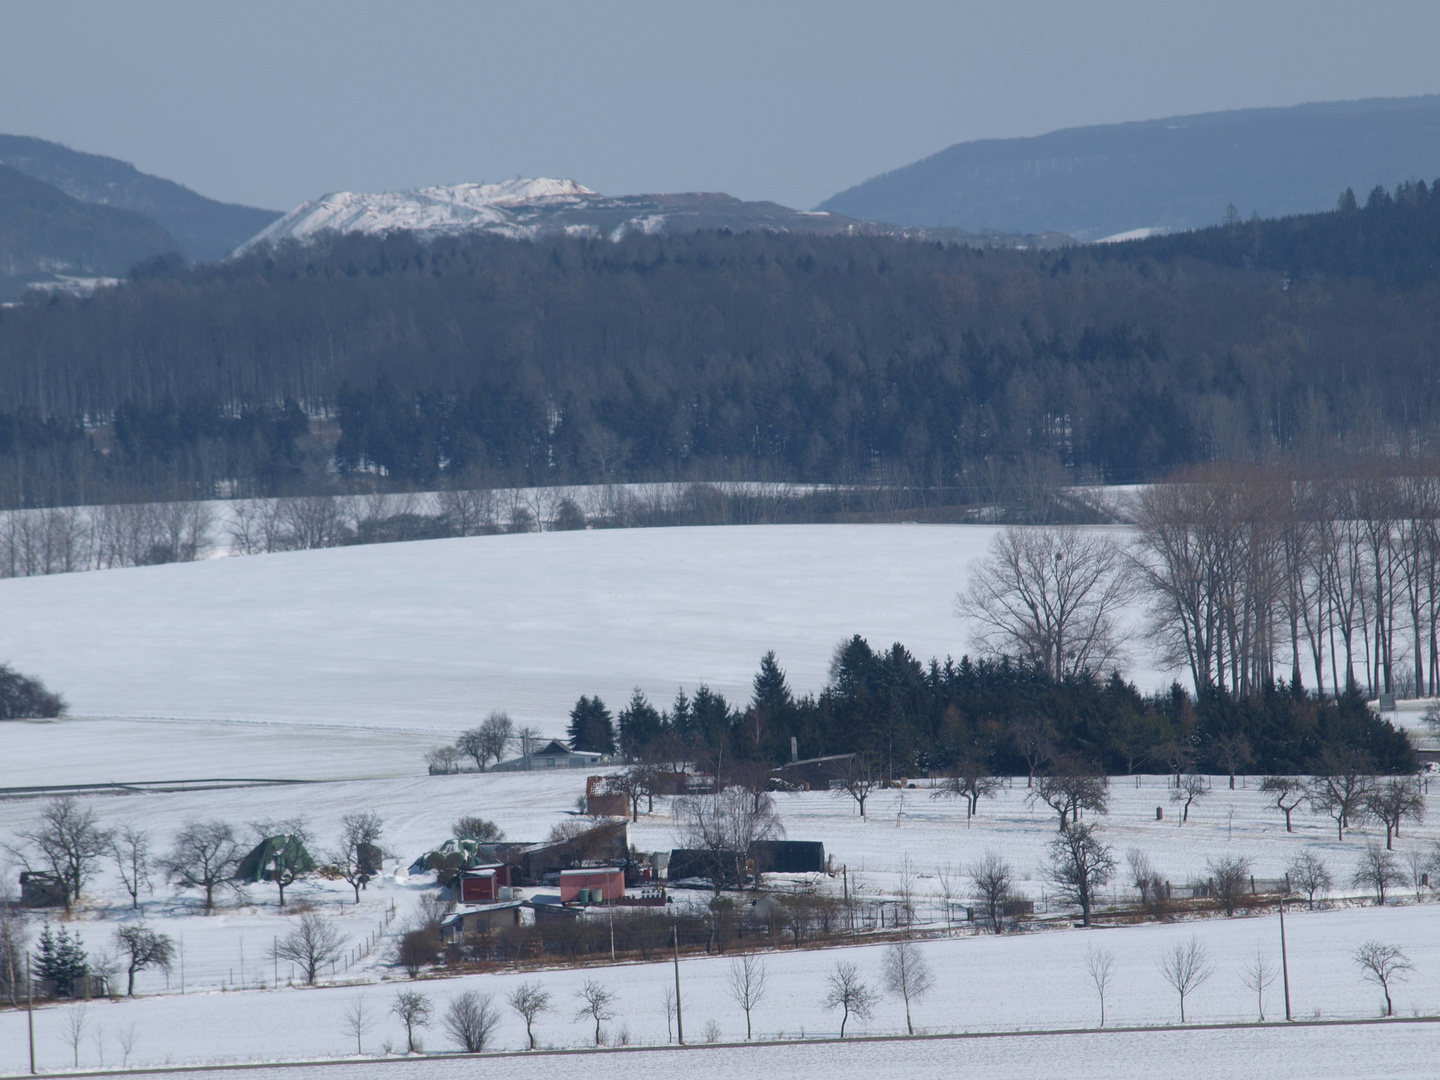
[
  {"x": 529, "y": 209},
  {"x": 434, "y": 210}
]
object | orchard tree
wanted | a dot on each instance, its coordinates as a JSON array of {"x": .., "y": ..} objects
[
  {"x": 310, "y": 945},
  {"x": 471, "y": 1019},
  {"x": 1185, "y": 966},
  {"x": 204, "y": 856},
  {"x": 529, "y": 999},
  {"x": 142, "y": 948},
  {"x": 1080, "y": 864},
  {"x": 746, "y": 981},
  {"x": 69, "y": 842},
  {"x": 1285, "y": 793},
  {"x": 848, "y": 993},
  {"x": 414, "y": 1010},
  {"x": 1383, "y": 964},
  {"x": 907, "y": 975}
]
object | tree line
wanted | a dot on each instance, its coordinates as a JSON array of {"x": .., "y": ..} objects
[
  {"x": 954, "y": 372},
  {"x": 990, "y": 717}
]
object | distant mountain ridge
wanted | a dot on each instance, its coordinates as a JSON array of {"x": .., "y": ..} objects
[
  {"x": 203, "y": 229},
  {"x": 47, "y": 236},
  {"x": 531, "y": 209},
  {"x": 1175, "y": 173}
]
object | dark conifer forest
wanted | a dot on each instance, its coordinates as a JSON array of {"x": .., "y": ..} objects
[
  {"x": 947, "y": 370},
  {"x": 1007, "y": 718}
]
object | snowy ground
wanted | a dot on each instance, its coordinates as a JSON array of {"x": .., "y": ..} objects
[
  {"x": 344, "y": 665},
  {"x": 435, "y": 634},
  {"x": 1034, "y": 980},
  {"x": 1393, "y": 1052}
]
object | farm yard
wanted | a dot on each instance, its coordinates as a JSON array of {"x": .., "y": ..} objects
[{"x": 342, "y": 666}]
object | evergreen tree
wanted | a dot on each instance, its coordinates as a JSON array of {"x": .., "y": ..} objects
[
  {"x": 591, "y": 727},
  {"x": 61, "y": 962},
  {"x": 640, "y": 725}
]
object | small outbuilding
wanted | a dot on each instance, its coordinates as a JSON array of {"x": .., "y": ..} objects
[
  {"x": 593, "y": 885},
  {"x": 471, "y": 923},
  {"x": 485, "y": 884}
]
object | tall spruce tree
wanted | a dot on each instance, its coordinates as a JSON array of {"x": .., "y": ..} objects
[
  {"x": 640, "y": 725},
  {"x": 61, "y": 962},
  {"x": 591, "y": 727}
]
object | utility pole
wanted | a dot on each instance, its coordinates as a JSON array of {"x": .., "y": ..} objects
[
  {"x": 1284, "y": 960},
  {"x": 679, "y": 1016},
  {"x": 30, "y": 1011}
]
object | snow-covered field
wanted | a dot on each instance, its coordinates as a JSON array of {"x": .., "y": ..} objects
[
  {"x": 1028, "y": 981},
  {"x": 1392, "y": 1051},
  {"x": 344, "y": 665},
  {"x": 435, "y": 634}
]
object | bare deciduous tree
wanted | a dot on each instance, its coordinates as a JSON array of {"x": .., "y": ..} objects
[
  {"x": 130, "y": 848},
  {"x": 907, "y": 975},
  {"x": 1393, "y": 801},
  {"x": 471, "y": 1019},
  {"x": 597, "y": 1003},
  {"x": 77, "y": 1022},
  {"x": 414, "y": 1010},
  {"x": 992, "y": 879},
  {"x": 69, "y": 841},
  {"x": 1187, "y": 792},
  {"x": 1185, "y": 967},
  {"x": 1378, "y": 870},
  {"x": 1071, "y": 789},
  {"x": 1309, "y": 874},
  {"x": 204, "y": 856},
  {"x": 725, "y": 826},
  {"x": 310, "y": 945},
  {"x": 857, "y": 779},
  {"x": 143, "y": 948},
  {"x": 1258, "y": 974},
  {"x": 849, "y": 994},
  {"x": 529, "y": 1000},
  {"x": 970, "y": 780},
  {"x": 1100, "y": 965},
  {"x": 357, "y": 855},
  {"x": 746, "y": 981},
  {"x": 1383, "y": 964},
  {"x": 1231, "y": 875},
  {"x": 1285, "y": 793},
  {"x": 1342, "y": 791},
  {"x": 1079, "y": 865},
  {"x": 358, "y": 1021},
  {"x": 1050, "y": 595}
]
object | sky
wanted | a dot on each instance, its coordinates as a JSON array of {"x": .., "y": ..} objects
[{"x": 270, "y": 103}]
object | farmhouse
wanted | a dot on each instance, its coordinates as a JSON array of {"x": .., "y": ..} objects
[{"x": 553, "y": 755}]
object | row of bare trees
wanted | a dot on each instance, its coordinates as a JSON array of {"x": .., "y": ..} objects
[
  {"x": 69, "y": 538},
  {"x": 1249, "y": 573}
]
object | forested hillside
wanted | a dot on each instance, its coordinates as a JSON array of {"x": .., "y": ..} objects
[{"x": 759, "y": 355}]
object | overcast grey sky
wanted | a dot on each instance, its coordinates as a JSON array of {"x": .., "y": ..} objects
[{"x": 272, "y": 103}]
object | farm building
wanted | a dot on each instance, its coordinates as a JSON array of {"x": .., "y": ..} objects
[
  {"x": 553, "y": 755},
  {"x": 766, "y": 857},
  {"x": 602, "y": 803},
  {"x": 604, "y": 845},
  {"x": 485, "y": 884},
  {"x": 595, "y": 885},
  {"x": 475, "y": 922},
  {"x": 39, "y": 889},
  {"x": 813, "y": 774}
]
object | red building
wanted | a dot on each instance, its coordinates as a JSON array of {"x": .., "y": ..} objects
[
  {"x": 482, "y": 885},
  {"x": 601, "y": 884}
]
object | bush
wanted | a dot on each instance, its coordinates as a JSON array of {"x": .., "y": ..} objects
[{"x": 22, "y": 698}]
